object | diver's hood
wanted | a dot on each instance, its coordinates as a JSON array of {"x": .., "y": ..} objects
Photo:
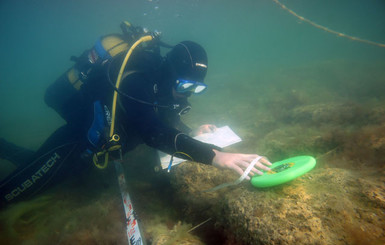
[{"x": 188, "y": 61}]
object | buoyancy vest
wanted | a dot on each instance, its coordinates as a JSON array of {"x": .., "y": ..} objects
[{"x": 73, "y": 94}]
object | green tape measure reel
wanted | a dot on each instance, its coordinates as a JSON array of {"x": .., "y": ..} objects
[{"x": 284, "y": 171}]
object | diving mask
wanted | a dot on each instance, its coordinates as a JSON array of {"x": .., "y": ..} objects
[{"x": 184, "y": 86}]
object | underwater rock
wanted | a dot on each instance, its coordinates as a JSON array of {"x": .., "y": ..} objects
[
  {"x": 328, "y": 113},
  {"x": 325, "y": 206},
  {"x": 286, "y": 141},
  {"x": 178, "y": 235}
]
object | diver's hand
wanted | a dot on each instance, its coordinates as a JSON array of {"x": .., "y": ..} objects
[
  {"x": 239, "y": 162},
  {"x": 206, "y": 128}
]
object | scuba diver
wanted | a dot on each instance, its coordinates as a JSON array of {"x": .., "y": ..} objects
[{"x": 120, "y": 93}]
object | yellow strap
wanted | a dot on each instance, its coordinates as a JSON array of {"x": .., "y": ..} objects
[
  {"x": 96, "y": 156},
  {"x": 105, "y": 154}
]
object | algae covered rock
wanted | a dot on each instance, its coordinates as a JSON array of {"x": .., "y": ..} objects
[
  {"x": 325, "y": 206},
  {"x": 331, "y": 113},
  {"x": 178, "y": 235}
]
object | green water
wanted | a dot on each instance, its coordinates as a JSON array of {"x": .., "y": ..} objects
[
  {"x": 263, "y": 61},
  {"x": 242, "y": 38}
]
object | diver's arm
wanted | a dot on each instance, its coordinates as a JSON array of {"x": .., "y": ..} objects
[
  {"x": 154, "y": 132},
  {"x": 199, "y": 151},
  {"x": 170, "y": 140}
]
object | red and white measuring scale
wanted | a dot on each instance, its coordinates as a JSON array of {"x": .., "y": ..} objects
[{"x": 133, "y": 232}]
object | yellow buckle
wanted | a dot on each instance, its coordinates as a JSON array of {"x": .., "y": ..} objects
[{"x": 112, "y": 146}]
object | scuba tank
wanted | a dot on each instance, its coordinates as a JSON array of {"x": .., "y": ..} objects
[{"x": 67, "y": 95}]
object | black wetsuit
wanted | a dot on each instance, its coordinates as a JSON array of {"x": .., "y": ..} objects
[{"x": 147, "y": 113}]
